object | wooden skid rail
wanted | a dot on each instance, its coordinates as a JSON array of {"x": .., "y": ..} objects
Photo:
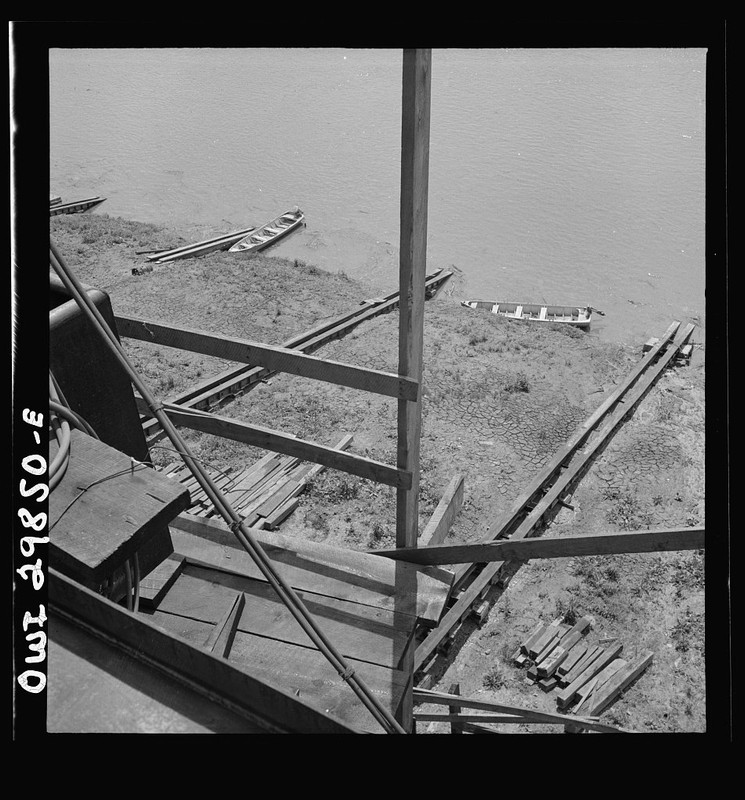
[
  {"x": 537, "y": 487},
  {"x": 237, "y": 380},
  {"x": 278, "y": 359},
  {"x": 652, "y": 367}
]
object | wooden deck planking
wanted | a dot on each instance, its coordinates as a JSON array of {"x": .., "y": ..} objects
[
  {"x": 301, "y": 672},
  {"x": 190, "y": 666},
  {"x": 316, "y": 567},
  {"x": 375, "y": 635}
]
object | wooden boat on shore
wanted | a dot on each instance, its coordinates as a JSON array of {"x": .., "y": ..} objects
[
  {"x": 77, "y": 207},
  {"x": 577, "y": 316},
  {"x": 270, "y": 233},
  {"x": 222, "y": 242}
]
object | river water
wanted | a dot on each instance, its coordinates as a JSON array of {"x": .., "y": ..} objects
[{"x": 556, "y": 175}]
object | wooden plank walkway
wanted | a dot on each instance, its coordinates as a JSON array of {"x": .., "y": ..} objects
[{"x": 368, "y": 607}]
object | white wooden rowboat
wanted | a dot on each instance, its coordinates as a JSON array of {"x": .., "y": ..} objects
[{"x": 577, "y": 316}]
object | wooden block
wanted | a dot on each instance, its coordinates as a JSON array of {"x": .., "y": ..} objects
[
  {"x": 281, "y": 513},
  {"x": 532, "y": 674},
  {"x": 480, "y": 612},
  {"x": 520, "y": 658},
  {"x": 427, "y": 681},
  {"x": 618, "y": 682},
  {"x": 443, "y": 647},
  {"x": 540, "y": 643},
  {"x": 591, "y": 653},
  {"x": 547, "y": 684},
  {"x": 548, "y": 665},
  {"x": 597, "y": 664},
  {"x": 156, "y": 583},
  {"x": 573, "y": 656},
  {"x": 585, "y": 690},
  {"x": 582, "y": 624},
  {"x": 533, "y": 637},
  {"x": 586, "y": 696},
  {"x": 552, "y": 644}
]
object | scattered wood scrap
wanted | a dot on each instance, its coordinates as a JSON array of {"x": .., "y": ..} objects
[
  {"x": 264, "y": 494},
  {"x": 587, "y": 676}
]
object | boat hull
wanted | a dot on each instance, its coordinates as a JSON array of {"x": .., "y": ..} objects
[
  {"x": 78, "y": 207},
  {"x": 576, "y": 316},
  {"x": 270, "y": 233}
]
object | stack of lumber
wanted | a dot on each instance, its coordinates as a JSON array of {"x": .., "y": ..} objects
[
  {"x": 589, "y": 676},
  {"x": 264, "y": 494}
]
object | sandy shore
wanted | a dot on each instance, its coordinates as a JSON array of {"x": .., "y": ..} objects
[{"x": 499, "y": 399}]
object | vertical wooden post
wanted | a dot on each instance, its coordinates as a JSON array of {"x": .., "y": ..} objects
[
  {"x": 455, "y": 727},
  {"x": 412, "y": 270}
]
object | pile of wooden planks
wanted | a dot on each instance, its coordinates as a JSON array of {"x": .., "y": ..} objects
[
  {"x": 264, "y": 494},
  {"x": 589, "y": 676}
]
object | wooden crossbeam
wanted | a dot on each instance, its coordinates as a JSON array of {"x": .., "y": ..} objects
[
  {"x": 284, "y": 443},
  {"x": 590, "y": 544},
  {"x": 236, "y": 379},
  {"x": 277, "y": 359},
  {"x": 508, "y": 713}
]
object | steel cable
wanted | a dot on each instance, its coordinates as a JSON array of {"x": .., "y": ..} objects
[{"x": 235, "y": 523}]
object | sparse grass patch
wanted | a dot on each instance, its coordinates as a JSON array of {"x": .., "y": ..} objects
[
  {"x": 626, "y": 511},
  {"x": 687, "y": 630},
  {"x": 567, "y": 610},
  {"x": 494, "y": 678},
  {"x": 519, "y": 383}
]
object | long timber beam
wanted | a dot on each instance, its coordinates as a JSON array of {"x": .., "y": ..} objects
[
  {"x": 237, "y": 380},
  {"x": 277, "y": 359},
  {"x": 645, "y": 541},
  {"x": 518, "y": 713},
  {"x": 283, "y": 443}
]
